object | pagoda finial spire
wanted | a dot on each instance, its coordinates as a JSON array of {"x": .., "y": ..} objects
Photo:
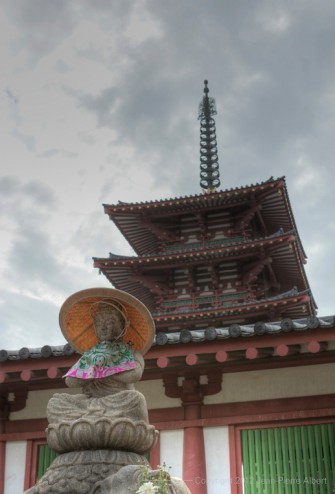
[{"x": 209, "y": 165}]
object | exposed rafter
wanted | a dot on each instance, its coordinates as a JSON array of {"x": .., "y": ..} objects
[{"x": 149, "y": 282}]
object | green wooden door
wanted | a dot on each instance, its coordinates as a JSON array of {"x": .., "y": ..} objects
[
  {"x": 46, "y": 456},
  {"x": 289, "y": 460}
]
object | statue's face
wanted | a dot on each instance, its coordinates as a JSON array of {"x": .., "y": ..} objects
[{"x": 109, "y": 324}]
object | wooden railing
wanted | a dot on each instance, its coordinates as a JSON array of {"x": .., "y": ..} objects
[
  {"x": 193, "y": 303},
  {"x": 206, "y": 244}
]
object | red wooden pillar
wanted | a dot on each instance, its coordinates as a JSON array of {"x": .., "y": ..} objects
[
  {"x": 4, "y": 414},
  {"x": 155, "y": 455},
  {"x": 194, "y": 459},
  {"x": 2, "y": 466},
  {"x": 191, "y": 393}
]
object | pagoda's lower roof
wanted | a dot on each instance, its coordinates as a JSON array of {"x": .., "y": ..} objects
[
  {"x": 281, "y": 249},
  {"x": 291, "y": 304}
]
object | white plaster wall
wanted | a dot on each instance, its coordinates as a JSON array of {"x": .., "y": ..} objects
[
  {"x": 154, "y": 393},
  {"x": 276, "y": 383},
  {"x": 15, "y": 467},
  {"x": 171, "y": 446},
  {"x": 37, "y": 403},
  {"x": 217, "y": 460},
  {"x": 238, "y": 386}
]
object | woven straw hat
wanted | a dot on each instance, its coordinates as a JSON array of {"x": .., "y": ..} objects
[{"x": 76, "y": 318}]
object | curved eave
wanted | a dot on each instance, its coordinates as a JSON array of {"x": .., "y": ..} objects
[
  {"x": 141, "y": 240},
  {"x": 283, "y": 251},
  {"x": 277, "y": 213},
  {"x": 293, "y": 306},
  {"x": 289, "y": 269},
  {"x": 207, "y": 200},
  {"x": 127, "y": 217},
  {"x": 203, "y": 252},
  {"x": 121, "y": 278}
]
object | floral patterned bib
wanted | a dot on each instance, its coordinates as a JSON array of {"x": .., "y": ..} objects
[{"x": 104, "y": 359}]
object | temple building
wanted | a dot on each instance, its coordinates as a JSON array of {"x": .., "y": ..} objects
[{"x": 239, "y": 381}]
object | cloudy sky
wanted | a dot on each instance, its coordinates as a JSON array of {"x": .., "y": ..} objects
[{"x": 99, "y": 103}]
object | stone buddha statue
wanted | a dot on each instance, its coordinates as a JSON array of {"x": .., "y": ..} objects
[
  {"x": 109, "y": 409},
  {"x": 102, "y": 434}
]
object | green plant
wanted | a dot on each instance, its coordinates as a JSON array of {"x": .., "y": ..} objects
[{"x": 154, "y": 481}]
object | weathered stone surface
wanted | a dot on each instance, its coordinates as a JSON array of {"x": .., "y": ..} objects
[
  {"x": 125, "y": 403},
  {"x": 120, "y": 434},
  {"x": 128, "y": 480},
  {"x": 78, "y": 472},
  {"x": 102, "y": 433},
  {"x": 116, "y": 421}
]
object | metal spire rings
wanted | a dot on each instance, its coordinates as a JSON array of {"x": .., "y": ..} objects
[{"x": 209, "y": 165}]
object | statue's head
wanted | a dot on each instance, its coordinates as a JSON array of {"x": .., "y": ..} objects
[
  {"x": 106, "y": 314},
  {"x": 110, "y": 321}
]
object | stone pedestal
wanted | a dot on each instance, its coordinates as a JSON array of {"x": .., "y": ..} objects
[
  {"x": 118, "y": 421},
  {"x": 102, "y": 442},
  {"x": 79, "y": 472}
]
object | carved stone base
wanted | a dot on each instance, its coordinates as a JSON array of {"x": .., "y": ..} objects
[
  {"x": 78, "y": 472},
  {"x": 118, "y": 421},
  {"x": 104, "y": 433}
]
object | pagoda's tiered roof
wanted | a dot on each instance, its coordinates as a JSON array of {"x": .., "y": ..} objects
[
  {"x": 281, "y": 248},
  {"x": 271, "y": 195},
  {"x": 291, "y": 304},
  {"x": 232, "y": 255}
]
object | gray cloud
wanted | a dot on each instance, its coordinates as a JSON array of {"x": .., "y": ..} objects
[
  {"x": 62, "y": 67},
  {"x": 27, "y": 139},
  {"x": 50, "y": 153},
  {"x": 13, "y": 190},
  {"x": 101, "y": 105},
  {"x": 8, "y": 186},
  {"x": 25, "y": 322},
  {"x": 41, "y": 194},
  {"x": 33, "y": 257},
  {"x": 12, "y": 96},
  {"x": 42, "y": 24}
]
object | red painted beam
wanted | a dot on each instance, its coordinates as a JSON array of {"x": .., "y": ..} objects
[
  {"x": 27, "y": 375},
  {"x": 191, "y": 359},
  {"x": 221, "y": 356},
  {"x": 38, "y": 363},
  {"x": 3, "y": 377},
  {"x": 316, "y": 346},
  {"x": 163, "y": 362},
  {"x": 54, "y": 372}
]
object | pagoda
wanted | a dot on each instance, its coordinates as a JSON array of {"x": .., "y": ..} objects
[{"x": 219, "y": 258}]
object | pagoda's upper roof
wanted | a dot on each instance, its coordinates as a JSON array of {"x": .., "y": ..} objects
[{"x": 130, "y": 218}]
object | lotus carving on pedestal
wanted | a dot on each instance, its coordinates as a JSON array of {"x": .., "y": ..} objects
[{"x": 104, "y": 433}]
